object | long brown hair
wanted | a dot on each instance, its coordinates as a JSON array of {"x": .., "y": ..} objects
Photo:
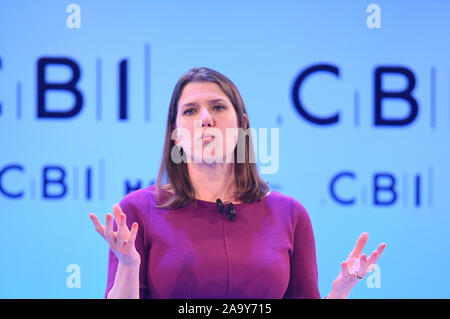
[{"x": 249, "y": 185}]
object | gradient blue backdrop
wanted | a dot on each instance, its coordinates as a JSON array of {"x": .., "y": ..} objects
[{"x": 262, "y": 46}]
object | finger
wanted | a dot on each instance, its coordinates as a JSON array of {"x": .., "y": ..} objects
[
  {"x": 362, "y": 240},
  {"x": 380, "y": 250},
  {"x": 344, "y": 271},
  {"x": 372, "y": 261},
  {"x": 109, "y": 234},
  {"x": 362, "y": 266},
  {"x": 98, "y": 226},
  {"x": 117, "y": 211},
  {"x": 133, "y": 234},
  {"x": 372, "y": 258},
  {"x": 122, "y": 230}
]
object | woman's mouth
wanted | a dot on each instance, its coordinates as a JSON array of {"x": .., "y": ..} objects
[{"x": 208, "y": 138}]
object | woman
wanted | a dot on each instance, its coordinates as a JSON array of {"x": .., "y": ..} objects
[{"x": 186, "y": 246}]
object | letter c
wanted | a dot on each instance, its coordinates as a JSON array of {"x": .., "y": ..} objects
[
  {"x": 2, "y": 190},
  {"x": 296, "y": 92}
]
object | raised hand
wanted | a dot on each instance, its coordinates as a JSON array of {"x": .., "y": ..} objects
[
  {"x": 121, "y": 241},
  {"x": 355, "y": 268}
]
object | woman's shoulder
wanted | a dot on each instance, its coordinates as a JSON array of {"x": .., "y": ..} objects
[
  {"x": 280, "y": 197},
  {"x": 139, "y": 201},
  {"x": 288, "y": 202},
  {"x": 139, "y": 194}
]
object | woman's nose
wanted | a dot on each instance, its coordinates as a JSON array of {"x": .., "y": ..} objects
[{"x": 206, "y": 118}]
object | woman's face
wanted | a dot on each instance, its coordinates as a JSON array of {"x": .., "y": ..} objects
[{"x": 203, "y": 108}]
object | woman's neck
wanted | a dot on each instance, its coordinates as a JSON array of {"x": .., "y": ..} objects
[{"x": 212, "y": 181}]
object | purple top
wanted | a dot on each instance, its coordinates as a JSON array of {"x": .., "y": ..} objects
[{"x": 267, "y": 251}]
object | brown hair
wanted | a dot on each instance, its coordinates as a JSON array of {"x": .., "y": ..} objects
[{"x": 250, "y": 186}]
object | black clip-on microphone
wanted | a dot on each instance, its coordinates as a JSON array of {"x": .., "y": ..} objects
[{"x": 230, "y": 209}]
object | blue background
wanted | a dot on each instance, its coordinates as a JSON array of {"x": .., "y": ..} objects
[{"x": 262, "y": 46}]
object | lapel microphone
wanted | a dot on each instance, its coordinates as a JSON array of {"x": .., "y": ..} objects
[{"x": 230, "y": 209}]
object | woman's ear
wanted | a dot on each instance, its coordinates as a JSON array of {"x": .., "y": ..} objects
[
  {"x": 246, "y": 121},
  {"x": 174, "y": 134}
]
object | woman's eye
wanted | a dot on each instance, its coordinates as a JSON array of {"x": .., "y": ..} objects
[
  {"x": 220, "y": 107},
  {"x": 192, "y": 110}
]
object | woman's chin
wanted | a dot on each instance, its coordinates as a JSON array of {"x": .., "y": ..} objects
[{"x": 212, "y": 159}]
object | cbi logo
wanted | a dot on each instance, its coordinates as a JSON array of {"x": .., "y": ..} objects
[
  {"x": 46, "y": 88},
  {"x": 380, "y": 94},
  {"x": 383, "y": 188},
  {"x": 61, "y": 182}
]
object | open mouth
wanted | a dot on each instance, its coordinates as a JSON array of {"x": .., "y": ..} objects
[{"x": 208, "y": 138}]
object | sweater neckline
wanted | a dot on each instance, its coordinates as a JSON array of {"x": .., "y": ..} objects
[
  {"x": 205, "y": 203},
  {"x": 214, "y": 204}
]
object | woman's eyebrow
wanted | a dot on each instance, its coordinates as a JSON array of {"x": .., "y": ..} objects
[
  {"x": 217, "y": 101},
  {"x": 189, "y": 104},
  {"x": 210, "y": 102}
]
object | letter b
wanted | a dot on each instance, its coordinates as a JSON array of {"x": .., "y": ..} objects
[
  {"x": 44, "y": 86},
  {"x": 389, "y": 189},
  {"x": 406, "y": 95},
  {"x": 46, "y": 181}
]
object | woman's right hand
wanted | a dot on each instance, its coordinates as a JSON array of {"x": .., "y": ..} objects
[{"x": 122, "y": 241}]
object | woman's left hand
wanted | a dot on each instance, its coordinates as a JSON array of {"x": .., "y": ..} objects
[{"x": 354, "y": 268}]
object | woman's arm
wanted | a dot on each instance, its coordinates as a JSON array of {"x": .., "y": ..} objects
[
  {"x": 354, "y": 269},
  {"x": 126, "y": 283},
  {"x": 303, "y": 283},
  {"x": 123, "y": 254}
]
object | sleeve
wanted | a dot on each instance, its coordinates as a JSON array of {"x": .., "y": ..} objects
[
  {"x": 303, "y": 281},
  {"x": 130, "y": 209}
]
